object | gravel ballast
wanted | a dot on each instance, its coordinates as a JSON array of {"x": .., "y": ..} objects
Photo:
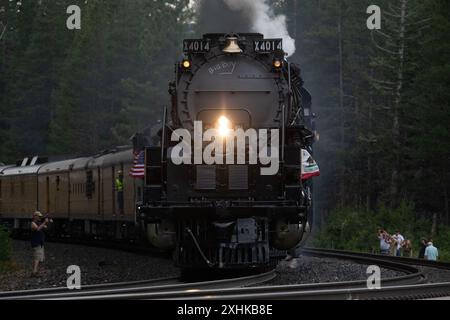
[
  {"x": 97, "y": 265},
  {"x": 309, "y": 269},
  {"x": 435, "y": 275},
  {"x": 100, "y": 266}
]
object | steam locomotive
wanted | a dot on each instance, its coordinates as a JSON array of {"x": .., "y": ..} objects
[
  {"x": 222, "y": 186},
  {"x": 214, "y": 207}
]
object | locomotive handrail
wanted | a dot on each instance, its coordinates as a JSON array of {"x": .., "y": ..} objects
[{"x": 163, "y": 138}]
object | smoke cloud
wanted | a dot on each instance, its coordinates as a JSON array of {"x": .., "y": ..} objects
[{"x": 248, "y": 16}]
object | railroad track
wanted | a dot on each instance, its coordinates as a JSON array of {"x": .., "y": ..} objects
[
  {"x": 88, "y": 288},
  {"x": 412, "y": 285},
  {"x": 130, "y": 289},
  {"x": 404, "y": 260}
]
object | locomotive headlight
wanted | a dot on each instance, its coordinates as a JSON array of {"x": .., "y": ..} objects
[
  {"x": 186, "y": 64},
  {"x": 224, "y": 126}
]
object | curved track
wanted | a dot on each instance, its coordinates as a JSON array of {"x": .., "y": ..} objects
[
  {"x": 136, "y": 289},
  {"x": 410, "y": 285}
]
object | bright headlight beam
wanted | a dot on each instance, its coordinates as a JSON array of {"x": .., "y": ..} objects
[{"x": 224, "y": 126}]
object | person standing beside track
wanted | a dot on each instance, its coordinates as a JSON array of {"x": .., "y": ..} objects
[
  {"x": 431, "y": 252},
  {"x": 423, "y": 247},
  {"x": 119, "y": 190},
  {"x": 38, "y": 225},
  {"x": 407, "y": 249},
  {"x": 384, "y": 244},
  {"x": 398, "y": 240}
]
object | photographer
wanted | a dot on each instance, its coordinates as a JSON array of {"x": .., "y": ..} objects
[
  {"x": 38, "y": 225},
  {"x": 384, "y": 242}
]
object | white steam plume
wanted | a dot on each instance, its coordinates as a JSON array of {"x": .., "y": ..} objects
[{"x": 264, "y": 20}]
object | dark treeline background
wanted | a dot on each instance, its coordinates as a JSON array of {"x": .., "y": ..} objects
[
  {"x": 382, "y": 97},
  {"x": 78, "y": 92}
]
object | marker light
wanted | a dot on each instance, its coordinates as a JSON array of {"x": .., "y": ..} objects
[
  {"x": 224, "y": 126},
  {"x": 186, "y": 64},
  {"x": 277, "y": 64}
]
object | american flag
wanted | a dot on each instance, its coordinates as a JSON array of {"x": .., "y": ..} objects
[{"x": 138, "y": 170}]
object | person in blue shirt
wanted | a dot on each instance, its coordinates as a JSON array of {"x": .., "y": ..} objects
[{"x": 431, "y": 252}]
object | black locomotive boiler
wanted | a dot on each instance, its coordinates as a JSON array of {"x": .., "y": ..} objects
[{"x": 228, "y": 214}]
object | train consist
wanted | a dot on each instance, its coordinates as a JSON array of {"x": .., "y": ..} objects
[
  {"x": 226, "y": 201},
  {"x": 79, "y": 194}
]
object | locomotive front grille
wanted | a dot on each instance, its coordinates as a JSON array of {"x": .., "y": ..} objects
[
  {"x": 238, "y": 178},
  {"x": 206, "y": 178}
]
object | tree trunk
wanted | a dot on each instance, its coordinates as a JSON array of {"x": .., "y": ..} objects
[
  {"x": 434, "y": 225},
  {"x": 446, "y": 207},
  {"x": 369, "y": 154},
  {"x": 397, "y": 104},
  {"x": 341, "y": 105},
  {"x": 3, "y": 28},
  {"x": 341, "y": 78}
]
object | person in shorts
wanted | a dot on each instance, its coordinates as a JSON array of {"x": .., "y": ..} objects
[{"x": 38, "y": 225}]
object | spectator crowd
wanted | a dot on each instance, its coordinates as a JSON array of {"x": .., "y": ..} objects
[{"x": 398, "y": 245}]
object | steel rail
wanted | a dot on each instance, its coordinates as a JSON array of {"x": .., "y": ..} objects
[
  {"x": 404, "y": 292},
  {"x": 248, "y": 292},
  {"x": 128, "y": 290},
  {"x": 413, "y": 276},
  {"x": 103, "y": 286},
  {"x": 406, "y": 260}
]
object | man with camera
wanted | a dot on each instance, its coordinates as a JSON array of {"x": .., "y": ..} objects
[
  {"x": 38, "y": 225},
  {"x": 384, "y": 242}
]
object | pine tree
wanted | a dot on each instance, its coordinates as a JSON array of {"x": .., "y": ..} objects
[
  {"x": 394, "y": 68},
  {"x": 429, "y": 116},
  {"x": 34, "y": 73},
  {"x": 115, "y": 78}
]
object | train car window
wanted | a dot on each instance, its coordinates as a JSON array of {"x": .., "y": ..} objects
[
  {"x": 22, "y": 188},
  {"x": 90, "y": 184},
  {"x": 12, "y": 188},
  {"x": 58, "y": 180}
]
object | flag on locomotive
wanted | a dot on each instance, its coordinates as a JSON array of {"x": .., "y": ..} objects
[
  {"x": 138, "y": 169},
  {"x": 310, "y": 168}
]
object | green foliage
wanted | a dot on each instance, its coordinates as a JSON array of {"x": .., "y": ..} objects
[
  {"x": 356, "y": 230},
  {"x": 5, "y": 245}
]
